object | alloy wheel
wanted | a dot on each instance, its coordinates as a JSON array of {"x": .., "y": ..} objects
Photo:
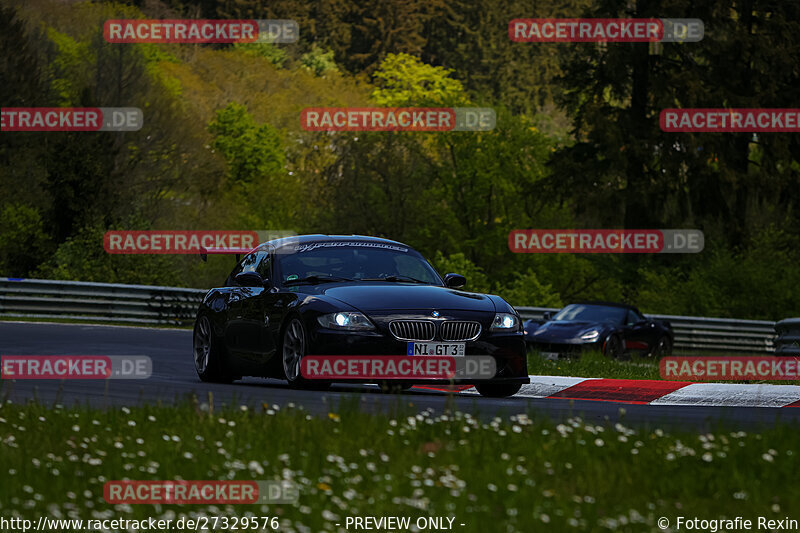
[
  {"x": 294, "y": 348},
  {"x": 202, "y": 344}
]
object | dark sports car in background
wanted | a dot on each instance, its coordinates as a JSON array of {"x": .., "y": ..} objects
[
  {"x": 348, "y": 295},
  {"x": 613, "y": 329}
]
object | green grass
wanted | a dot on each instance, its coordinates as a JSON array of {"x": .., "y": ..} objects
[
  {"x": 596, "y": 365},
  {"x": 498, "y": 475}
]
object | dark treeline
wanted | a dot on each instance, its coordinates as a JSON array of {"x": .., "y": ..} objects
[{"x": 577, "y": 144}]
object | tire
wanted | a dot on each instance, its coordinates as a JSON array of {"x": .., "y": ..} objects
[
  {"x": 662, "y": 348},
  {"x": 209, "y": 353},
  {"x": 498, "y": 390},
  {"x": 294, "y": 346},
  {"x": 614, "y": 347}
]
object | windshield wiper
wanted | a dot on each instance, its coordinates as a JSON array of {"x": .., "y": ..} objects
[
  {"x": 316, "y": 279},
  {"x": 397, "y": 278}
]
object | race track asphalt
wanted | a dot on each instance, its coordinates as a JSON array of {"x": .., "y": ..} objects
[{"x": 174, "y": 379}]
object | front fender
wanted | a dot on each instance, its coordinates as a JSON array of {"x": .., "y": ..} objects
[{"x": 215, "y": 305}]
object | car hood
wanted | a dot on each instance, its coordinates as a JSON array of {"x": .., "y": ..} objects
[
  {"x": 558, "y": 329},
  {"x": 381, "y": 296}
]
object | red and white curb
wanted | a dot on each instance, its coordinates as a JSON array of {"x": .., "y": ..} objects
[{"x": 653, "y": 392}]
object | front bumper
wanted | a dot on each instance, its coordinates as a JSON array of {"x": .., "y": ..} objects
[
  {"x": 508, "y": 351},
  {"x": 565, "y": 348}
]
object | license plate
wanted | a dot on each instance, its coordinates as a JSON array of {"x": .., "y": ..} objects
[
  {"x": 455, "y": 349},
  {"x": 550, "y": 356}
]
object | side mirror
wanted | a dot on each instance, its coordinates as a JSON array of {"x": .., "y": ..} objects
[
  {"x": 454, "y": 281},
  {"x": 250, "y": 279},
  {"x": 547, "y": 315}
]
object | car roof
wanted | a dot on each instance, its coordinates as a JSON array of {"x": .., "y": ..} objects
[
  {"x": 303, "y": 239},
  {"x": 608, "y": 304}
]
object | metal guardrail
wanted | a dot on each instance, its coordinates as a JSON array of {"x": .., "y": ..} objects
[
  {"x": 146, "y": 304},
  {"x": 98, "y": 302},
  {"x": 704, "y": 334},
  {"x": 788, "y": 341}
]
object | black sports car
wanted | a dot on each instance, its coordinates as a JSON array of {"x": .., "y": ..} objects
[
  {"x": 348, "y": 295},
  {"x": 613, "y": 329}
]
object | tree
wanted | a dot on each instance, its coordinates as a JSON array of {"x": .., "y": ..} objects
[
  {"x": 623, "y": 171},
  {"x": 23, "y": 241}
]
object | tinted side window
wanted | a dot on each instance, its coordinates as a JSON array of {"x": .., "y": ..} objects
[
  {"x": 634, "y": 317},
  {"x": 264, "y": 266},
  {"x": 250, "y": 262},
  {"x": 247, "y": 264}
]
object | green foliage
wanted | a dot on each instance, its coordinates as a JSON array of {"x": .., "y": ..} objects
[
  {"x": 578, "y": 277},
  {"x": 82, "y": 258},
  {"x": 520, "y": 289},
  {"x": 404, "y": 80},
  {"x": 272, "y": 53},
  {"x": 471, "y": 37},
  {"x": 23, "y": 239},
  {"x": 577, "y": 144},
  {"x": 656, "y": 179},
  {"x": 457, "y": 263},
  {"x": 69, "y": 66},
  {"x": 319, "y": 61},
  {"x": 525, "y": 289},
  {"x": 154, "y": 56},
  {"x": 252, "y": 151},
  {"x": 489, "y": 182},
  {"x": 755, "y": 282},
  {"x": 264, "y": 193}
]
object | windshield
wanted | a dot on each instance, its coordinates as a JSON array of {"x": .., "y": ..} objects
[
  {"x": 355, "y": 261},
  {"x": 591, "y": 313}
]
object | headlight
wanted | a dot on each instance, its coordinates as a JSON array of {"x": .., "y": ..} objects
[
  {"x": 505, "y": 322},
  {"x": 590, "y": 335},
  {"x": 351, "y": 320}
]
